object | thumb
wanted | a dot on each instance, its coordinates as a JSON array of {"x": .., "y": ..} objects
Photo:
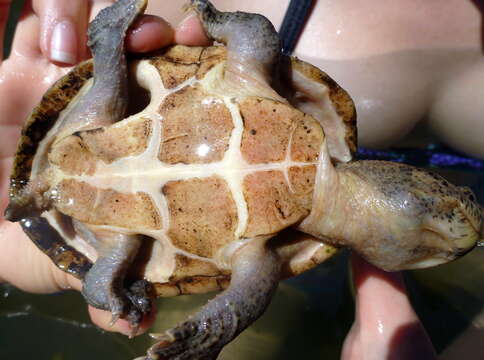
[{"x": 63, "y": 27}]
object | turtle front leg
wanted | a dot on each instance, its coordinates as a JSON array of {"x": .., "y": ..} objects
[
  {"x": 104, "y": 284},
  {"x": 255, "y": 275}
]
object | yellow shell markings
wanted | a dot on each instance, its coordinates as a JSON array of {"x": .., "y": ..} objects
[{"x": 146, "y": 173}]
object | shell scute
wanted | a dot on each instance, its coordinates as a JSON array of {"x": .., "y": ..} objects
[
  {"x": 203, "y": 214},
  {"x": 267, "y": 130},
  {"x": 79, "y": 153},
  {"x": 270, "y": 202},
  {"x": 97, "y": 206},
  {"x": 196, "y": 127},
  {"x": 307, "y": 138}
]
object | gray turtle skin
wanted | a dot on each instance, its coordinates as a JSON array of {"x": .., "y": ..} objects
[{"x": 396, "y": 216}]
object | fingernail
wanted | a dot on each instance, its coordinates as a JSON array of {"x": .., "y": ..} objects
[{"x": 63, "y": 45}]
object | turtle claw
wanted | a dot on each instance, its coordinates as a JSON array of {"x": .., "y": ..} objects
[
  {"x": 114, "y": 319},
  {"x": 157, "y": 336},
  {"x": 189, "y": 340},
  {"x": 131, "y": 304}
]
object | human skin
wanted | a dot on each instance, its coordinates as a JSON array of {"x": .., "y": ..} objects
[{"x": 395, "y": 79}]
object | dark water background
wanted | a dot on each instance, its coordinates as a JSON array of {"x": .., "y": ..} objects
[{"x": 308, "y": 318}]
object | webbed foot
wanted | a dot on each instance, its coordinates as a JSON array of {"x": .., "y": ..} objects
[
  {"x": 139, "y": 295},
  {"x": 255, "y": 275},
  {"x": 104, "y": 285}
]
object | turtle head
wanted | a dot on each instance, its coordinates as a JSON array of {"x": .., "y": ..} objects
[
  {"x": 397, "y": 216},
  {"x": 452, "y": 223}
]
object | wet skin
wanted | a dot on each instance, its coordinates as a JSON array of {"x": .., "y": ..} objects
[{"x": 177, "y": 346}]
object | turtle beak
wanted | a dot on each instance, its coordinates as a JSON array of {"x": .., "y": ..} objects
[{"x": 444, "y": 242}]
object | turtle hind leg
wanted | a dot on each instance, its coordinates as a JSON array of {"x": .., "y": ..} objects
[
  {"x": 253, "y": 49},
  {"x": 255, "y": 275},
  {"x": 104, "y": 285},
  {"x": 106, "y": 100}
]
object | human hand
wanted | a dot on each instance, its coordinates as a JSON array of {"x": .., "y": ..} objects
[
  {"x": 386, "y": 326},
  {"x": 41, "y": 53}
]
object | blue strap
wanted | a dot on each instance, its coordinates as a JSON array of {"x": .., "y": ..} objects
[
  {"x": 433, "y": 156},
  {"x": 293, "y": 23}
]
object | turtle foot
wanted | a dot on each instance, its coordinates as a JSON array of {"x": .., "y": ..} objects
[
  {"x": 204, "y": 334},
  {"x": 132, "y": 303},
  {"x": 105, "y": 286},
  {"x": 140, "y": 304},
  {"x": 190, "y": 340}
]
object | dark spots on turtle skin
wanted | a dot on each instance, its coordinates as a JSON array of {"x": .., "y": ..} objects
[{"x": 253, "y": 132}]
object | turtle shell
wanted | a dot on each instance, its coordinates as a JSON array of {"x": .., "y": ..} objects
[{"x": 195, "y": 170}]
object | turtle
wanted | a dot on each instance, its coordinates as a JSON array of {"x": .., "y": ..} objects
[{"x": 226, "y": 167}]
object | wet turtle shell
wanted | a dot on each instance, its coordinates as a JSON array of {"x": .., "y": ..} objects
[{"x": 196, "y": 170}]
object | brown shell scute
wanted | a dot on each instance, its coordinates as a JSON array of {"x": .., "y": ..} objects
[
  {"x": 210, "y": 57},
  {"x": 307, "y": 138},
  {"x": 192, "y": 119},
  {"x": 270, "y": 127},
  {"x": 179, "y": 63},
  {"x": 107, "y": 207},
  {"x": 203, "y": 214},
  {"x": 267, "y": 129},
  {"x": 79, "y": 153},
  {"x": 122, "y": 140},
  {"x": 302, "y": 181},
  {"x": 271, "y": 204}
]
